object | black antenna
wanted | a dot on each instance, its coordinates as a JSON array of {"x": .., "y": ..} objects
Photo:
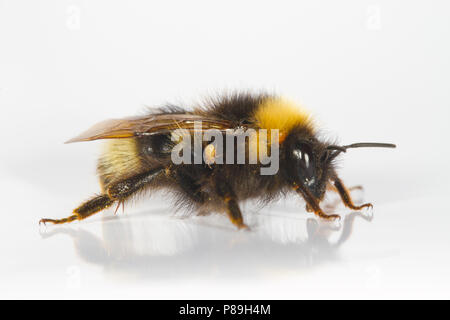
[
  {"x": 362, "y": 145},
  {"x": 340, "y": 149}
]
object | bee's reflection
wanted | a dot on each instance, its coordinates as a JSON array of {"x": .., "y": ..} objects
[{"x": 153, "y": 246}]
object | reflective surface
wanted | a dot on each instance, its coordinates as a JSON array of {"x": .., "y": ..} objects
[
  {"x": 158, "y": 247},
  {"x": 286, "y": 254},
  {"x": 368, "y": 71}
]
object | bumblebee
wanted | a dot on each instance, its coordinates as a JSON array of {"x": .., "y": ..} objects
[{"x": 138, "y": 157}]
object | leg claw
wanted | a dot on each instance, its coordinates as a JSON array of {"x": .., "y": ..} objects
[
  {"x": 366, "y": 205},
  {"x": 44, "y": 221},
  {"x": 331, "y": 217},
  {"x": 243, "y": 227}
]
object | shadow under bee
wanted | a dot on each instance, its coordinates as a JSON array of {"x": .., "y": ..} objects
[{"x": 150, "y": 246}]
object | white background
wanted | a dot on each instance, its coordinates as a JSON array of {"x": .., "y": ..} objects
[{"x": 368, "y": 70}]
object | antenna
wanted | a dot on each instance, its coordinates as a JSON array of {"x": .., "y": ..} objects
[
  {"x": 362, "y": 145},
  {"x": 340, "y": 149}
]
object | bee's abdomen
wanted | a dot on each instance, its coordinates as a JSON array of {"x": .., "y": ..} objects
[{"x": 119, "y": 159}]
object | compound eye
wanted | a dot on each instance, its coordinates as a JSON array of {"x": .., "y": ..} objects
[{"x": 303, "y": 154}]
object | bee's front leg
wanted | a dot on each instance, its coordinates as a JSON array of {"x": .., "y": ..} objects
[
  {"x": 312, "y": 204},
  {"x": 119, "y": 192},
  {"x": 331, "y": 187},
  {"x": 346, "y": 198}
]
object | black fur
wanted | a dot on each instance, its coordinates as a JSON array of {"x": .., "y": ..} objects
[
  {"x": 237, "y": 107},
  {"x": 200, "y": 186},
  {"x": 219, "y": 187}
]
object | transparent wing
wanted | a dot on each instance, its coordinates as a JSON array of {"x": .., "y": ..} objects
[{"x": 148, "y": 125}]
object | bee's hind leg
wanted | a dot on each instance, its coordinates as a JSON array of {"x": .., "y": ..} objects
[
  {"x": 122, "y": 190},
  {"x": 119, "y": 192},
  {"x": 346, "y": 198},
  {"x": 85, "y": 210}
]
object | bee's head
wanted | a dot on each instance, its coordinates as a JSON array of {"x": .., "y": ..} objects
[{"x": 309, "y": 164}]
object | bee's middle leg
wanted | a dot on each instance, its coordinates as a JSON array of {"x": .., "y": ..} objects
[
  {"x": 225, "y": 192},
  {"x": 191, "y": 187}
]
